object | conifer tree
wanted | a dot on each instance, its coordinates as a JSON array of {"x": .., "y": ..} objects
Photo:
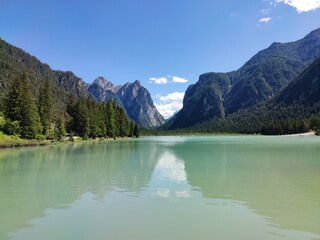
[
  {"x": 136, "y": 132},
  {"x": 60, "y": 131},
  {"x": 70, "y": 114},
  {"x": 94, "y": 129},
  {"x": 122, "y": 122},
  {"x": 13, "y": 101},
  {"x": 20, "y": 106},
  {"x": 131, "y": 129},
  {"x": 45, "y": 107},
  {"x": 110, "y": 119},
  {"x": 81, "y": 118},
  {"x": 101, "y": 120}
]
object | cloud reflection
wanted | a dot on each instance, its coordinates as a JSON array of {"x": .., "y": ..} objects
[
  {"x": 169, "y": 178},
  {"x": 171, "y": 168}
]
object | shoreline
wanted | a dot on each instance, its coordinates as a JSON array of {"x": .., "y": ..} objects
[
  {"x": 13, "y": 142},
  {"x": 306, "y": 134}
]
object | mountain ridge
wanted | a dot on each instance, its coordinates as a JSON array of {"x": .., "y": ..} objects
[
  {"x": 135, "y": 99},
  {"x": 259, "y": 79},
  {"x": 14, "y": 61}
]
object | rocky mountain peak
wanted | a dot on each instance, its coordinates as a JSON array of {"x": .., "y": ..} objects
[
  {"x": 137, "y": 83},
  {"x": 133, "y": 97},
  {"x": 103, "y": 83}
]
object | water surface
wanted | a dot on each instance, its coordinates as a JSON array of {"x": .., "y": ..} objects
[{"x": 163, "y": 188}]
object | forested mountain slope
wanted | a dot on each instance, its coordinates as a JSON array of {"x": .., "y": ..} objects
[
  {"x": 258, "y": 80},
  {"x": 132, "y": 96},
  {"x": 294, "y": 109}
]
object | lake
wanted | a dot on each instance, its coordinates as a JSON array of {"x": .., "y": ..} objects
[{"x": 224, "y": 187}]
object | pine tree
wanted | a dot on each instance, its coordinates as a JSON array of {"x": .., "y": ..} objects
[
  {"x": 45, "y": 107},
  {"x": 131, "y": 129},
  {"x": 70, "y": 114},
  {"x": 136, "y": 132},
  {"x": 81, "y": 118},
  {"x": 13, "y": 101},
  {"x": 60, "y": 131},
  {"x": 20, "y": 106},
  {"x": 110, "y": 119},
  {"x": 123, "y": 123},
  {"x": 30, "y": 123},
  {"x": 101, "y": 120}
]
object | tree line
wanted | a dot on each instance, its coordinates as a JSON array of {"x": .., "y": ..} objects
[
  {"x": 266, "y": 119},
  {"x": 31, "y": 117}
]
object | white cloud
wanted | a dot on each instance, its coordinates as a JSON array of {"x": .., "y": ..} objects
[
  {"x": 161, "y": 80},
  {"x": 179, "y": 80},
  {"x": 265, "y": 20},
  {"x": 170, "y": 104},
  {"x": 265, "y": 11},
  {"x": 172, "y": 97},
  {"x": 301, "y": 5},
  {"x": 165, "y": 80}
]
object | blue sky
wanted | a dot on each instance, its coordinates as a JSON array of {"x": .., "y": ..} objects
[{"x": 166, "y": 44}]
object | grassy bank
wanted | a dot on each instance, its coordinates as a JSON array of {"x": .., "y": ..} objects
[
  {"x": 14, "y": 141},
  {"x": 8, "y": 141}
]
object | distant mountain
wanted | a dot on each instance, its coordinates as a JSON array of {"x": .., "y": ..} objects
[
  {"x": 259, "y": 79},
  {"x": 103, "y": 90},
  {"x": 135, "y": 99}
]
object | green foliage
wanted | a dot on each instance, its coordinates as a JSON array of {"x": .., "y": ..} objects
[
  {"x": 131, "y": 132},
  {"x": 12, "y": 128},
  {"x": 38, "y": 102},
  {"x": 71, "y": 136},
  {"x": 70, "y": 113},
  {"x": 285, "y": 127},
  {"x": 60, "y": 131},
  {"x": 81, "y": 118},
  {"x": 15, "y": 61},
  {"x": 87, "y": 118},
  {"x": 315, "y": 124},
  {"x": 122, "y": 122},
  {"x": 2, "y": 121},
  {"x": 45, "y": 107},
  {"x": 110, "y": 120},
  {"x": 15, "y": 141},
  {"x": 40, "y": 137},
  {"x": 136, "y": 131},
  {"x": 20, "y": 107}
]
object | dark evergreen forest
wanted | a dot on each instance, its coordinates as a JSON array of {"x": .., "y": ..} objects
[{"x": 43, "y": 117}]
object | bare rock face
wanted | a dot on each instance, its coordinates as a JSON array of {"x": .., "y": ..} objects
[
  {"x": 103, "y": 90},
  {"x": 133, "y": 97}
]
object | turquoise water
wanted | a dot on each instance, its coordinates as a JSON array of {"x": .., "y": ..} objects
[{"x": 163, "y": 188}]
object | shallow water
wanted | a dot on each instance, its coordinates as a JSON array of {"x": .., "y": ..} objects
[{"x": 163, "y": 188}]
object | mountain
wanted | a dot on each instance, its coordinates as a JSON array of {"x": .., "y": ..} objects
[
  {"x": 294, "y": 109},
  {"x": 203, "y": 100},
  {"x": 305, "y": 89},
  {"x": 135, "y": 99},
  {"x": 259, "y": 79},
  {"x": 15, "y": 61},
  {"x": 104, "y": 90}
]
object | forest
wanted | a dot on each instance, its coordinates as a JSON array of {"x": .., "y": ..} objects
[{"x": 41, "y": 117}]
